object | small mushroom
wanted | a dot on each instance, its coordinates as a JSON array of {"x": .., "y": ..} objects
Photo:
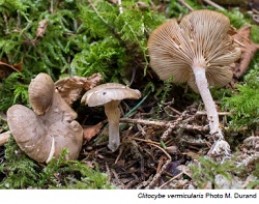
[
  {"x": 51, "y": 127},
  {"x": 110, "y": 95},
  {"x": 199, "y": 50}
]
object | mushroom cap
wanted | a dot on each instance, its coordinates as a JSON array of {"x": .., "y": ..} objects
[
  {"x": 61, "y": 124},
  {"x": 52, "y": 128},
  {"x": 28, "y": 132},
  {"x": 108, "y": 92},
  {"x": 202, "y": 38},
  {"x": 41, "y": 91},
  {"x": 34, "y": 134}
]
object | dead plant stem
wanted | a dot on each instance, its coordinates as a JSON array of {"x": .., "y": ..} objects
[
  {"x": 213, "y": 4},
  {"x": 170, "y": 180},
  {"x": 186, "y": 5}
]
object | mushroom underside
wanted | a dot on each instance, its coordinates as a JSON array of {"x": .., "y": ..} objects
[{"x": 198, "y": 50}]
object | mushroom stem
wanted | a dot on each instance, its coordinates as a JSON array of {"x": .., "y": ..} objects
[
  {"x": 212, "y": 114},
  {"x": 112, "y": 112}
]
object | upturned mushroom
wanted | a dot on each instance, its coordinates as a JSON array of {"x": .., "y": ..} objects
[
  {"x": 110, "y": 95},
  {"x": 44, "y": 132},
  {"x": 199, "y": 50}
]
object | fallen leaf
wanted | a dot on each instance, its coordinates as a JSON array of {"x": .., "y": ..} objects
[
  {"x": 6, "y": 69},
  {"x": 248, "y": 49},
  {"x": 18, "y": 66},
  {"x": 92, "y": 130},
  {"x": 71, "y": 88}
]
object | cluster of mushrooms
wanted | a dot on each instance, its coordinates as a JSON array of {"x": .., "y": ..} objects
[
  {"x": 198, "y": 50},
  {"x": 42, "y": 133}
]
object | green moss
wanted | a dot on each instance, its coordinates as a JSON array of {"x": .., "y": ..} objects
[
  {"x": 207, "y": 170},
  {"x": 237, "y": 18},
  {"x": 254, "y": 33},
  {"x": 244, "y": 102},
  {"x": 82, "y": 37},
  {"x": 14, "y": 90},
  {"x": 21, "y": 172}
]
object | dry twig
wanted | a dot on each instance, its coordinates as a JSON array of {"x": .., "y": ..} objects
[
  {"x": 178, "y": 123},
  {"x": 117, "y": 179},
  {"x": 220, "y": 113},
  {"x": 186, "y": 5},
  {"x": 158, "y": 174},
  {"x": 170, "y": 180},
  {"x": 144, "y": 122},
  {"x": 172, "y": 126},
  {"x": 213, "y": 4}
]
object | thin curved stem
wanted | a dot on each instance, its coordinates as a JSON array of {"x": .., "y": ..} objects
[{"x": 212, "y": 114}]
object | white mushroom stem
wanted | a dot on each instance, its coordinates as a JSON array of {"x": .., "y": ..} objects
[
  {"x": 120, "y": 6},
  {"x": 212, "y": 114},
  {"x": 112, "y": 112}
]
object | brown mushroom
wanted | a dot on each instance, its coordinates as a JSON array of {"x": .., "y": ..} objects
[
  {"x": 199, "y": 50},
  {"x": 110, "y": 95},
  {"x": 51, "y": 128}
]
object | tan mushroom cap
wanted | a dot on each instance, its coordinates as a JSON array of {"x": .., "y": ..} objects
[
  {"x": 28, "y": 132},
  {"x": 108, "y": 92},
  {"x": 52, "y": 128},
  {"x": 202, "y": 37},
  {"x": 41, "y": 90}
]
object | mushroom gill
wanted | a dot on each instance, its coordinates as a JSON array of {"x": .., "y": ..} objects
[{"x": 199, "y": 50}]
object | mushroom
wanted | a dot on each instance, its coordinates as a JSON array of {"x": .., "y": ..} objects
[
  {"x": 43, "y": 133},
  {"x": 199, "y": 50},
  {"x": 110, "y": 95}
]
